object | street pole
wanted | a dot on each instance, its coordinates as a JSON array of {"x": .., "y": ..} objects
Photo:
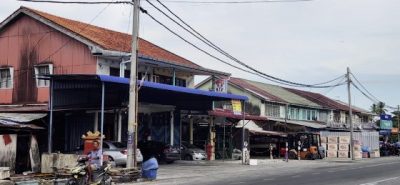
[
  {"x": 398, "y": 123},
  {"x": 350, "y": 114},
  {"x": 132, "y": 113}
]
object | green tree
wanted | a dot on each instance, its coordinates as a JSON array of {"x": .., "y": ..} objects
[{"x": 378, "y": 108}]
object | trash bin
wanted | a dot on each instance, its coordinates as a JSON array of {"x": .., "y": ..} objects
[{"x": 149, "y": 169}]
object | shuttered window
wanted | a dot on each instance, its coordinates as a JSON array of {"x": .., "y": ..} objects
[{"x": 6, "y": 80}]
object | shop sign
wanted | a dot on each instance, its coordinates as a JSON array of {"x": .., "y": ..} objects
[
  {"x": 237, "y": 107},
  {"x": 386, "y": 122},
  {"x": 221, "y": 85}
]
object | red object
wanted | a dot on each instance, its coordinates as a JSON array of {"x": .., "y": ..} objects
[
  {"x": 282, "y": 151},
  {"x": 7, "y": 139},
  {"x": 87, "y": 146},
  {"x": 209, "y": 151}
]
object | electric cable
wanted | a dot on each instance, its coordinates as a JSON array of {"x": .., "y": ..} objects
[{"x": 209, "y": 43}]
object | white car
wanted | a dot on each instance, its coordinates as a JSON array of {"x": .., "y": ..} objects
[{"x": 118, "y": 154}]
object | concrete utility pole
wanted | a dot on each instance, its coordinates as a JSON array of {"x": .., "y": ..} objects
[
  {"x": 350, "y": 114},
  {"x": 133, "y": 101},
  {"x": 398, "y": 123}
]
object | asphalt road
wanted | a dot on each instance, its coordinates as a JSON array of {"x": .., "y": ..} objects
[{"x": 386, "y": 172}]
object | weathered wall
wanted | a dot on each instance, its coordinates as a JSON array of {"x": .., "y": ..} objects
[
  {"x": 26, "y": 43},
  {"x": 8, "y": 150}
]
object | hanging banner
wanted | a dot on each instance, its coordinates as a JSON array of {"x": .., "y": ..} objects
[
  {"x": 237, "y": 107},
  {"x": 386, "y": 122},
  {"x": 221, "y": 85}
]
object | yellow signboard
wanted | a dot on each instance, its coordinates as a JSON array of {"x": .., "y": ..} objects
[{"x": 237, "y": 107}]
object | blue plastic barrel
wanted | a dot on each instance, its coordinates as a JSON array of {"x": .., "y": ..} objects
[
  {"x": 149, "y": 169},
  {"x": 149, "y": 174}
]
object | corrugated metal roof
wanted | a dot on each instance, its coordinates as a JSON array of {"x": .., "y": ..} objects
[
  {"x": 274, "y": 92},
  {"x": 21, "y": 117},
  {"x": 19, "y": 120},
  {"x": 254, "y": 128},
  {"x": 302, "y": 123}
]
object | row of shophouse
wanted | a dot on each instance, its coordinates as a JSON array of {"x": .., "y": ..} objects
[{"x": 60, "y": 78}]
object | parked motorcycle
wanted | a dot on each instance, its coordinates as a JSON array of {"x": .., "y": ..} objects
[{"x": 80, "y": 175}]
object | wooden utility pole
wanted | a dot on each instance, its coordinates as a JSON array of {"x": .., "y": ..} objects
[
  {"x": 350, "y": 114},
  {"x": 133, "y": 101}
]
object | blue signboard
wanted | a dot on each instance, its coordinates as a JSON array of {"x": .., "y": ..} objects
[{"x": 386, "y": 122}]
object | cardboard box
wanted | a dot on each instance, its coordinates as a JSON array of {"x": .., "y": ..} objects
[
  {"x": 375, "y": 154},
  {"x": 357, "y": 147},
  {"x": 332, "y": 139},
  {"x": 344, "y": 147},
  {"x": 332, "y": 147},
  {"x": 331, "y": 154},
  {"x": 324, "y": 140},
  {"x": 343, "y": 154},
  {"x": 344, "y": 139},
  {"x": 357, "y": 155},
  {"x": 324, "y": 145}
]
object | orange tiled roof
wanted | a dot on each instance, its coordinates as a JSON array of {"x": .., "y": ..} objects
[{"x": 113, "y": 40}]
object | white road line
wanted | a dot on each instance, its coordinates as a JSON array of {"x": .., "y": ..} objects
[
  {"x": 316, "y": 173},
  {"x": 294, "y": 176},
  {"x": 237, "y": 183},
  {"x": 268, "y": 179},
  {"x": 377, "y": 182}
]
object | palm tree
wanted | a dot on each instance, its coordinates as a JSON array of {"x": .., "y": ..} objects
[{"x": 378, "y": 108}]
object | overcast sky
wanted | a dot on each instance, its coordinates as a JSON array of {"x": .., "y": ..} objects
[{"x": 306, "y": 42}]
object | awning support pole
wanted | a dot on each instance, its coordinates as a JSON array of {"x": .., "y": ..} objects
[
  {"x": 50, "y": 131},
  {"x": 102, "y": 119},
  {"x": 243, "y": 147}
]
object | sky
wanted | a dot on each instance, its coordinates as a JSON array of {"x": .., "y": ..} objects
[{"x": 306, "y": 42}]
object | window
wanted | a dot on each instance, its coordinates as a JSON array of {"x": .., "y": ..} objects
[
  {"x": 272, "y": 110},
  {"x": 6, "y": 80},
  {"x": 40, "y": 71}
]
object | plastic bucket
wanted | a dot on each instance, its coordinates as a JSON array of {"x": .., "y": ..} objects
[{"x": 150, "y": 174}]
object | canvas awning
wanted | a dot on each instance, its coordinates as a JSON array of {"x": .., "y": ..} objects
[
  {"x": 301, "y": 123},
  {"x": 255, "y": 129},
  {"x": 20, "y": 120}
]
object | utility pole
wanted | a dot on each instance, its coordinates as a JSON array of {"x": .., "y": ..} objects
[
  {"x": 398, "y": 123},
  {"x": 350, "y": 114},
  {"x": 133, "y": 101}
]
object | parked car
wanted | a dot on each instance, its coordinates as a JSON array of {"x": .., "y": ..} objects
[
  {"x": 192, "y": 152},
  {"x": 236, "y": 154},
  {"x": 161, "y": 151},
  {"x": 116, "y": 152}
]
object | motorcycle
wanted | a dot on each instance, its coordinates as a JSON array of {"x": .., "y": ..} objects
[{"x": 80, "y": 175}]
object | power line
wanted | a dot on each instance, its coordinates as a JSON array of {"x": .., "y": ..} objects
[
  {"x": 235, "y": 2},
  {"x": 213, "y": 56},
  {"x": 215, "y": 47},
  {"x": 362, "y": 86},
  {"x": 78, "y": 2}
]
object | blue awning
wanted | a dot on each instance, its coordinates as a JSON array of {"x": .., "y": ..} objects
[
  {"x": 113, "y": 79},
  {"x": 84, "y": 92}
]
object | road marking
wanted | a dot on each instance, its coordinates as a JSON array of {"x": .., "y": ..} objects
[
  {"x": 294, "y": 176},
  {"x": 237, "y": 183},
  {"x": 316, "y": 173},
  {"x": 268, "y": 179},
  {"x": 377, "y": 182}
]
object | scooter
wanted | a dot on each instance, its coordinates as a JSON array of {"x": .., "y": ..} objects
[{"x": 80, "y": 175}]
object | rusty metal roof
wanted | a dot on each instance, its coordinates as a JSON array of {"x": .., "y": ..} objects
[{"x": 20, "y": 120}]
